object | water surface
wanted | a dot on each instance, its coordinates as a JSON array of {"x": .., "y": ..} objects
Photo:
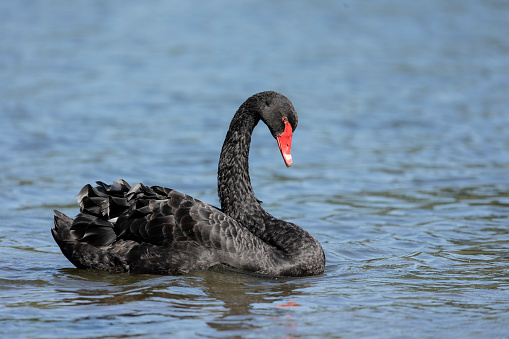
[{"x": 401, "y": 165}]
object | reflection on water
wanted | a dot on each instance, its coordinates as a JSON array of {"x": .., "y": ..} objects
[
  {"x": 401, "y": 165},
  {"x": 228, "y": 301}
]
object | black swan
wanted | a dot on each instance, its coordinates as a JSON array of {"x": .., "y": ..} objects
[{"x": 159, "y": 230}]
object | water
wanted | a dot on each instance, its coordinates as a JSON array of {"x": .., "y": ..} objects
[{"x": 401, "y": 163}]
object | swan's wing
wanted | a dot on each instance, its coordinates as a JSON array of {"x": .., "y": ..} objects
[
  {"x": 154, "y": 215},
  {"x": 171, "y": 216}
]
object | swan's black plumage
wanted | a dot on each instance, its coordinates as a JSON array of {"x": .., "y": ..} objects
[{"x": 154, "y": 229}]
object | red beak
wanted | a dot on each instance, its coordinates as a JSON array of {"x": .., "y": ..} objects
[{"x": 284, "y": 141}]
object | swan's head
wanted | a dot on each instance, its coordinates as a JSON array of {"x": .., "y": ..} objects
[{"x": 277, "y": 112}]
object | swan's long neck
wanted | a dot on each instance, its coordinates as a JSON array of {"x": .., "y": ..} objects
[
  {"x": 296, "y": 252},
  {"x": 234, "y": 185}
]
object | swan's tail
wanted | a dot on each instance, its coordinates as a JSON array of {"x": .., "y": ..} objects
[
  {"x": 62, "y": 234},
  {"x": 94, "y": 225}
]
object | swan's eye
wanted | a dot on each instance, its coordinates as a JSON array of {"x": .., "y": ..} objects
[{"x": 285, "y": 119}]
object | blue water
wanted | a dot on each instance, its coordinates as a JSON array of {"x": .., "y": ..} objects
[{"x": 401, "y": 161}]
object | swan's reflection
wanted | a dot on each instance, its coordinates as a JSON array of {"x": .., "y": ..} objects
[{"x": 227, "y": 300}]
